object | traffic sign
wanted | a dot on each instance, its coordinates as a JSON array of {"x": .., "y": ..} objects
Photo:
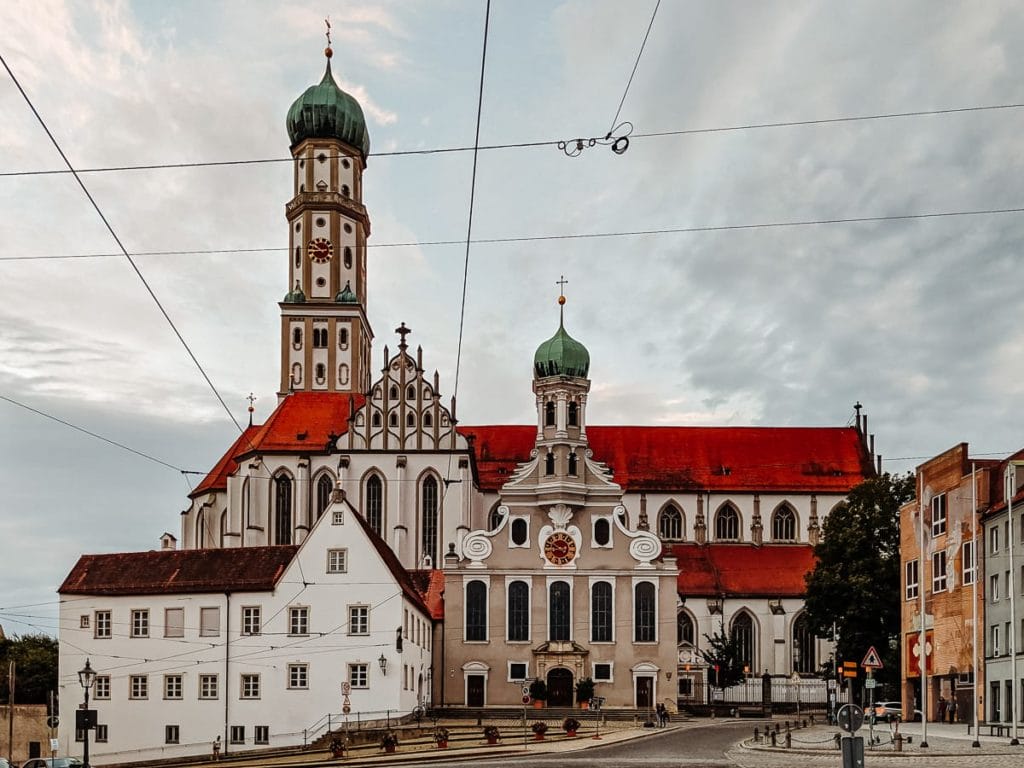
[
  {"x": 346, "y": 687},
  {"x": 850, "y": 717},
  {"x": 871, "y": 659},
  {"x": 870, "y": 682},
  {"x": 526, "y": 690},
  {"x": 526, "y": 698},
  {"x": 52, "y": 721}
]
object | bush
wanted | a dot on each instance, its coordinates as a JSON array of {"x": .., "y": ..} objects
[
  {"x": 539, "y": 690},
  {"x": 539, "y": 728},
  {"x": 389, "y": 739},
  {"x": 584, "y": 690},
  {"x": 492, "y": 732},
  {"x": 440, "y": 734},
  {"x": 571, "y": 724}
]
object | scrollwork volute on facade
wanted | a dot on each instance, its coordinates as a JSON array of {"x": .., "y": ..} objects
[
  {"x": 477, "y": 547},
  {"x": 644, "y": 548}
]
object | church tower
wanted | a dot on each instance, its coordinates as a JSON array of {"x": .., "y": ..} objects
[{"x": 325, "y": 335}]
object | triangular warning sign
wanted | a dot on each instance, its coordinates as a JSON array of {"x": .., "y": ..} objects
[{"x": 871, "y": 659}]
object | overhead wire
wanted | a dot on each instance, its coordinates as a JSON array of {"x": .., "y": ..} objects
[{"x": 615, "y": 120}]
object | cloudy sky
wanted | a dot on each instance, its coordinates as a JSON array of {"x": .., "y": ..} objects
[{"x": 918, "y": 319}]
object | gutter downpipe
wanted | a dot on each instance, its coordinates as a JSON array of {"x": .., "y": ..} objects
[
  {"x": 227, "y": 662},
  {"x": 922, "y": 645},
  {"x": 1011, "y": 489},
  {"x": 974, "y": 597}
]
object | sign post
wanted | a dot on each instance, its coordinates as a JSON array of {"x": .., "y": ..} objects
[{"x": 871, "y": 662}]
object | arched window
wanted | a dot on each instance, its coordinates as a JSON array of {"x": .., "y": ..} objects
[
  {"x": 429, "y": 529},
  {"x": 348, "y": 257},
  {"x": 601, "y": 612},
  {"x": 684, "y": 629},
  {"x": 805, "y": 661},
  {"x": 494, "y": 518},
  {"x": 343, "y": 338},
  {"x": 410, "y": 420},
  {"x": 410, "y": 392},
  {"x": 282, "y": 509},
  {"x": 393, "y": 418},
  {"x": 573, "y": 464},
  {"x": 645, "y": 612},
  {"x": 319, "y": 338},
  {"x": 393, "y": 392},
  {"x": 743, "y": 636},
  {"x": 602, "y": 532},
  {"x": 321, "y": 372},
  {"x": 297, "y": 337},
  {"x": 375, "y": 503},
  {"x": 727, "y": 524},
  {"x": 476, "y": 611},
  {"x": 246, "y": 490},
  {"x": 549, "y": 464},
  {"x": 344, "y": 190},
  {"x": 428, "y": 420},
  {"x": 518, "y": 611},
  {"x": 223, "y": 527},
  {"x": 784, "y": 524},
  {"x": 201, "y": 529},
  {"x": 549, "y": 414},
  {"x": 574, "y": 415},
  {"x": 670, "y": 523},
  {"x": 324, "y": 487},
  {"x": 559, "y": 612},
  {"x": 519, "y": 531}
]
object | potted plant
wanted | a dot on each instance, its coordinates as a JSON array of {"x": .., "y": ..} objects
[
  {"x": 389, "y": 741},
  {"x": 337, "y": 748},
  {"x": 584, "y": 692},
  {"x": 539, "y": 693},
  {"x": 539, "y": 729},
  {"x": 441, "y": 738},
  {"x": 570, "y": 726},
  {"x": 492, "y": 734}
]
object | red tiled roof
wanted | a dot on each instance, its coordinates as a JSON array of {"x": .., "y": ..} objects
[
  {"x": 743, "y": 570},
  {"x": 249, "y": 569},
  {"x": 304, "y": 421},
  {"x": 391, "y": 561},
  {"x": 217, "y": 480},
  {"x": 430, "y": 584},
  {"x": 821, "y": 459}
]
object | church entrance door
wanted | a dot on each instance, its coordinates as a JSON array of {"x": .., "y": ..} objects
[
  {"x": 560, "y": 687},
  {"x": 474, "y": 690},
  {"x": 644, "y": 692}
]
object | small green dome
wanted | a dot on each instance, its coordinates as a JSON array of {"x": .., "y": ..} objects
[
  {"x": 345, "y": 295},
  {"x": 561, "y": 355},
  {"x": 325, "y": 111},
  {"x": 295, "y": 295}
]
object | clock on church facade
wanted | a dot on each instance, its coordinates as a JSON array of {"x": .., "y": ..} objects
[{"x": 559, "y": 548}]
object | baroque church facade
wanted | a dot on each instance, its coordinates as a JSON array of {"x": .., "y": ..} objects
[{"x": 558, "y": 550}]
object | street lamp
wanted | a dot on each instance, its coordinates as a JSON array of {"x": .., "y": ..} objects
[
  {"x": 383, "y": 664},
  {"x": 86, "y": 677}
]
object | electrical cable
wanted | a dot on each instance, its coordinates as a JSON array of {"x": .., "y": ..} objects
[
  {"x": 615, "y": 120},
  {"x": 117, "y": 240}
]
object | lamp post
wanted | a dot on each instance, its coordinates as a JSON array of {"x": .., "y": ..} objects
[{"x": 86, "y": 677}]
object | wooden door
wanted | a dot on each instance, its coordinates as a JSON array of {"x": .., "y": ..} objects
[
  {"x": 560, "y": 687},
  {"x": 475, "y": 691},
  {"x": 644, "y": 692}
]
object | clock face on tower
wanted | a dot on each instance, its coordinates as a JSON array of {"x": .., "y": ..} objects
[
  {"x": 559, "y": 548},
  {"x": 320, "y": 250}
]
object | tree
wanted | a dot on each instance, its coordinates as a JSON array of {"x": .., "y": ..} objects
[
  {"x": 724, "y": 658},
  {"x": 855, "y": 584},
  {"x": 35, "y": 659}
]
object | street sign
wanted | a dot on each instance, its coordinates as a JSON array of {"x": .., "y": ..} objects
[
  {"x": 526, "y": 690},
  {"x": 871, "y": 659},
  {"x": 830, "y": 684},
  {"x": 346, "y": 688},
  {"x": 870, "y": 682},
  {"x": 54, "y": 745},
  {"x": 850, "y": 717},
  {"x": 52, "y": 721},
  {"x": 849, "y": 669},
  {"x": 526, "y": 698}
]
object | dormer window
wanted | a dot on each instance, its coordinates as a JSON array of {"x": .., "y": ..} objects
[
  {"x": 574, "y": 415},
  {"x": 549, "y": 414}
]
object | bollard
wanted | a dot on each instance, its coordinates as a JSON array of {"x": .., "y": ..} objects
[
  {"x": 773, "y": 738},
  {"x": 776, "y": 728},
  {"x": 812, "y": 718},
  {"x": 789, "y": 740},
  {"x": 838, "y": 737},
  {"x": 787, "y": 725},
  {"x": 897, "y": 742},
  {"x": 805, "y": 722},
  {"x": 757, "y": 736}
]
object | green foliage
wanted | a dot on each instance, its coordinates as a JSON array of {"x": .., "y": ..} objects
[
  {"x": 35, "y": 660},
  {"x": 724, "y": 651},
  {"x": 855, "y": 584},
  {"x": 585, "y": 689},
  {"x": 539, "y": 690}
]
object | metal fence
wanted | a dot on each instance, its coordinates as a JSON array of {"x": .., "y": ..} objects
[{"x": 806, "y": 693}]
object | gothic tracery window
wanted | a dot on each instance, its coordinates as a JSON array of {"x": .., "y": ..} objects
[
  {"x": 670, "y": 523},
  {"x": 282, "y": 509},
  {"x": 727, "y": 524},
  {"x": 430, "y": 519},
  {"x": 784, "y": 524},
  {"x": 743, "y": 634},
  {"x": 685, "y": 633},
  {"x": 324, "y": 488},
  {"x": 375, "y": 504}
]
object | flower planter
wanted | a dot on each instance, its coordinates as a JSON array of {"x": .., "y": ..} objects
[
  {"x": 389, "y": 748},
  {"x": 492, "y": 739},
  {"x": 538, "y": 704},
  {"x": 442, "y": 745},
  {"x": 570, "y": 733},
  {"x": 584, "y": 704},
  {"x": 538, "y": 737}
]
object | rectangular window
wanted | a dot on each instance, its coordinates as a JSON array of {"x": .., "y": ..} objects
[
  {"x": 83, "y": 621},
  {"x": 261, "y": 734},
  {"x": 969, "y": 565},
  {"x": 337, "y": 560},
  {"x": 237, "y": 734},
  {"x": 208, "y": 687},
  {"x": 209, "y": 622},
  {"x": 298, "y": 621},
  {"x": 993, "y": 539},
  {"x": 101, "y": 734},
  {"x": 138, "y": 687},
  {"x": 686, "y": 686},
  {"x": 250, "y": 686},
  {"x": 939, "y": 571},
  {"x": 251, "y": 620},
  {"x": 101, "y": 688},
  {"x": 993, "y": 587},
  {"x": 939, "y": 514},
  {"x": 171, "y": 734},
  {"x": 516, "y": 670},
  {"x": 603, "y": 672},
  {"x": 995, "y": 639},
  {"x": 298, "y": 676},
  {"x": 1006, "y": 583},
  {"x": 338, "y": 517},
  {"x": 358, "y": 675},
  {"x": 912, "y": 579},
  {"x": 140, "y": 623},
  {"x": 1008, "y": 639},
  {"x": 359, "y": 619},
  {"x": 172, "y": 686},
  {"x": 101, "y": 627},
  {"x": 174, "y": 622}
]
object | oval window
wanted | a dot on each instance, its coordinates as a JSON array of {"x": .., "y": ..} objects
[
  {"x": 602, "y": 532},
  {"x": 519, "y": 531}
]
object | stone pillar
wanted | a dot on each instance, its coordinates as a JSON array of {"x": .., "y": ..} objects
[
  {"x": 756, "y": 528},
  {"x": 813, "y": 529},
  {"x": 700, "y": 528}
]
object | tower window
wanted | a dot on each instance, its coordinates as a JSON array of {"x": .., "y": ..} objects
[
  {"x": 393, "y": 419},
  {"x": 298, "y": 256},
  {"x": 348, "y": 228},
  {"x": 345, "y": 163},
  {"x": 321, "y": 373},
  {"x": 344, "y": 190},
  {"x": 549, "y": 414},
  {"x": 298, "y": 226},
  {"x": 321, "y": 158},
  {"x": 428, "y": 420},
  {"x": 410, "y": 393},
  {"x": 343, "y": 374},
  {"x": 519, "y": 531},
  {"x": 296, "y": 374},
  {"x": 321, "y": 222},
  {"x": 348, "y": 257},
  {"x": 343, "y": 338},
  {"x": 573, "y": 464},
  {"x": 376, "y": 418},
  {"x": 410, "y": 420},
  {"x": 393, "y": 392},
  {"x": 574, "y": 415},
  {"x": 549, "y": 464},
  {"x": 320, "y": 338},
  {"x": 602, "y": 532},
  {"x": 297, "y": 337}
]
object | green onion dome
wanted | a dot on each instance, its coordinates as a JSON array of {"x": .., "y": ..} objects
[
  {"x": 325, "y": 111},
  {"x": 295, "y": 295},
  {"x": 345, "y": 295},
  {"x": 561, "y": 355}
]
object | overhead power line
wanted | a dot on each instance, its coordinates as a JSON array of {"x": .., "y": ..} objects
[
  {"x": 615, "y": 120},
  {"x": 566, "y": 236},
  {"x": 527, "y": 144},
  {"x": 117, "y": 240}
]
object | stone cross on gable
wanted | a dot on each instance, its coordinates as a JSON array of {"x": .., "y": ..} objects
[{"x": 403, "y": 331}]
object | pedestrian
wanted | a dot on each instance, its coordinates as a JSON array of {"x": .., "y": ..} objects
[
  {"x": 659, "y": 712},
  {"x": 942, "y": 709},
  {"x": 216, "y": 748},
  {"x": 951, "y": 710}
]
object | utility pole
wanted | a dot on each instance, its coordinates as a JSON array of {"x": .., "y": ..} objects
[{"x": 10, "y": 713}]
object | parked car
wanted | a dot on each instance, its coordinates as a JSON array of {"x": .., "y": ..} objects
[
  {"x": 52, "y": 762},
  {"x": 892, "y": 710},
  {"x": 4, "y": 763}
]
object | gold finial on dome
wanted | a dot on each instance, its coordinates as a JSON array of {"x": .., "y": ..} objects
[{"x": 328, "y": 51}]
